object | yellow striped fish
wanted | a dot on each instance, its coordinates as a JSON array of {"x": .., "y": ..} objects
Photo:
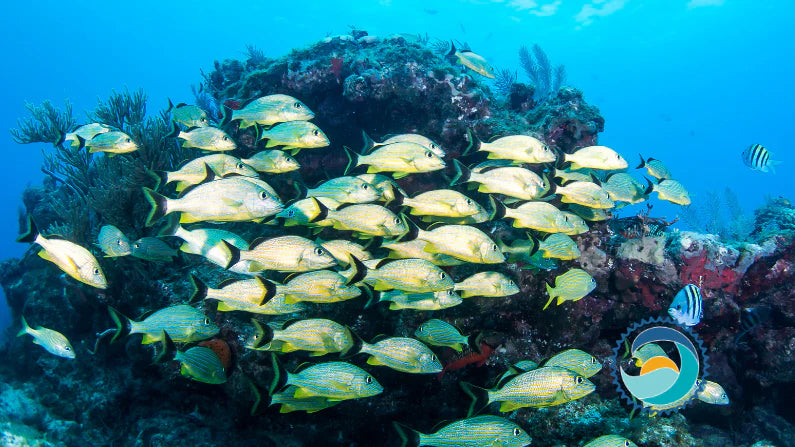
[
  {"x": 519, "y": 183},
  {"x": 286, "y": 254},
  {"x": 584, "y": 193},
  {"x": 370, "y": 144},
  {"x": 205, "y": 138},
  {"x": 461, "y": 242},
  {"x": 272, "y": 161},
  {"x": 294, "y": 136},
  {"x": 197, "y": 363},
  {"x": 206, "y": 242},
  {"x": 195, "y": 171},
  {"x": 188, "y": 115},
  {"x": 566, "y": 175},
  {"x": 342, "y": 250},
  {"x": 611, "y": 441},
  {"x": 153, "y": 249},
  {"x": 669, "y": 190},
  {"x": 311, "y": 211},
  {"x": 289, "y": 403},
  {"x": 111, "y": 143},
  {"x": 441, "y": 202},
  {"x": 476, "y": 431},
  {"x": 712, "y": 393},
  {"x": 437, "y": 332},
  {"x": 539, "y": 216},
  {"x": 346, "y": 189},
  {"x": 52, "y": 341},
  {"x": 113, "y": 242},
  {"x": 655, "y": 168},
  {"x": 367, "y": 220},
  {"x": 85, "y": 132},
  {"x": 336, "y": 381},
  {"x": 622, "y": 187},
  {"x": 408, "y": 275},
  {"x": 596, "y": 157},
  {"x": 542, "y": 387},
  {"x": 489, "y": 284},
  {"x": 646, "y": 352},
  {"x": 591, "y": 214},
  {"x": 570, "y": 286},
  {"x": 401, "y": 159},
  {"x": 269, "y": 110},
  {"x": 399, "y": 300},
  {"x": 416, "y": 249},
  {"x": 318, "y": 336},
  {"x": 578, "y": 224},
  {"x": 577, "y": 361},
  {"x": 559, "y": 246},
  {"x": 518, "y": 148},
  {"x": 235, "y": 294},
  {"x": 402, "y": 354},
  {"x": 183, "y": 323}
]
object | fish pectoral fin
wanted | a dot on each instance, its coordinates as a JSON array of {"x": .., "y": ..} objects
[
  {"x": 560, "y": 398},
  {"x": 457, "y": 347},
  {"x": 381, "y": 286},
  {"x": 149, "y": 339},
  {"x": 399, "y": 175},
  {"x": 44, "y": 255},
  {"x": 394, "y": 306},
  {"x": 287, "y": 408},
  {"x": 509, "y": 406},
  {"x": 302, "y": 393},
  {"x": 223, "y": 307},
  {"x": 372, "y": 170},
  {"x": 228, "y": 201},
  {"x": 374, "y": 361},
  {"x": 317, "y": 353},
  {"x": 560, "y": 300}
]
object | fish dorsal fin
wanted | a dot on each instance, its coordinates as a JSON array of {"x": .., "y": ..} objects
[
  {"x": 144, "y": 315},
  {"x": 384, "y": 262},
  {"x": 290, "y": 322},
  {"x": 358, "y": 271},
  {"x": 208, "y": 177},
  {"x": 182, "y": 104},
  {"x": 380, "y": 337},
  {"x": 256, "y": 242},
  {"x": 228, "y": 282},
  {"x": 302, "y": 367}
]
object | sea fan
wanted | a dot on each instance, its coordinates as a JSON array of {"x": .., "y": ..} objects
[
  {"x": 544, "y": 70},
  {"x": 206, "y": 102},
  {"x": 504, "y": 81},
  {"x": 256, "y": 56},
  {"x": 559, "y": 78},
  {"x": 529, "y": 65},
  {"x": 539, "y": 70}
]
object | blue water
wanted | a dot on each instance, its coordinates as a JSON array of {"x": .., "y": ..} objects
[{"x": 692, "y": 82}]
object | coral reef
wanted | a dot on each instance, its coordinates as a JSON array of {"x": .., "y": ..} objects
[{"x": 112, "y": 394}]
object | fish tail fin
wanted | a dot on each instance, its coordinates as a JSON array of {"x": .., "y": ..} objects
[
  {"x": 462, "y": 174},
  {"x": 551, "y": 292},
  {"x": 642, "y": 162},
  {"x": 536, "y": 245},
  {"x": 772, "y": 165},
  {"x": 122, "y": 323},
  {"x": 174, "y": 132},
  {"x": 264, "y": 333},
  {"x": 452, "y": 50},
  {"x": 473, "y": 141},
  {"x": 479, "y": 396},
  {"x": 411, "y": 233},
  {"x": 356, "y": 272},
  {"x": 170, "y": 105},
  {"x": 171, "y": 228},
  {"x": 399, "y": 198},
  {"x": 159, "y": 205},
  {"x": 25, "y": 327},
  {"x": 61, "y": 138},
  {"x": 160, "y": 178},
  {"x": 81, "y": 142},
  {"x": 473, "y": 341},
  {"x": 255, "y": 390},
  {"x": 226, "y": 115},
  {"x": 408, "y": 436},
  {"x": 369, "y": 143},
  {"x": 649, "y": 188},
  {"x": 268, "y": 287},
  {"x": 353, "y": 159},
  {"x": 199, "y": 289},
  {"x": 168, "y": 350},
  {"x": 497, "y": 209},
  {"x": 279, "y": 375},
  {"x": 373, "y": 297},
  {"x": 355, "y": 348},
  {"x": 234, "y": 254},
  {"x": 31, "y": 232}
]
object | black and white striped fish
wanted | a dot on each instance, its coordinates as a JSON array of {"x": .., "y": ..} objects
[
  {"x": 757, "y": 157},
  {"x": 687, "y": 307}
]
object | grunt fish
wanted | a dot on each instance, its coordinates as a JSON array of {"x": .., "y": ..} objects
[
  {"x": 610, "y": 441},
  {"x": 369, "y": 144},
  {"x": 437, "y": 332},
  {"x": 473, "y": 61},
  {"x": 294, "y": 136},
  {"x": 401, "y": 159},
  {"x": 318, "y": 336},
  {"x": 112, "y": 143},
  {"x": 269, "y": 110},
  {"x": 577, "y": 361},
  {"x": 153, "y": 249},
  {"x": 570, "y": 286},
  {"x": 596, "y": 157},
  {"x": 402, "y": 354},
  {"x": 272, "y": 161},
  {"x": 206, "y": 138},
  {"x": 52, "y": 341},
  {"x": 655, "y": 168},
  {"x": 336, "y": 381},
  {"x": 183, "y": 323},
  {"x": 113, "y": 242},
  {"x": 188, "y": 115},
  {"x": 489, "y": 284}
]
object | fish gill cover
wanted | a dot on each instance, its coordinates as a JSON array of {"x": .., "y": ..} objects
[{"x": 321, "y": 267}]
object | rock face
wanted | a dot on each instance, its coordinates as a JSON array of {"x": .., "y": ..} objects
[{"x": 398, "y": 85}]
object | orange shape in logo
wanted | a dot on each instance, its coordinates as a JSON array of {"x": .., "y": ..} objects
[{"x": 656, "y": 363}]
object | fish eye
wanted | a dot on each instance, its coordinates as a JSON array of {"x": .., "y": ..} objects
[
  {"x": 364, "y": 186},
  {"x": 495, "y": 247},
  {"x": 469, "y": 202},
  {"x": 206, "y": 321},
  {"x": 291, "y": 213},
  {"x": 96, "y": 271},
  {"x": 579, "y": 379},
  {"x": 203, "y": 120},
  {"x": 118, "y": 242},
  {"x": 442, "y": 275},
  {"x": 429, "y": 154},
  {"x": 678, "y": 307},
  {"x": 517, "y": 432},
  {"x": 67, "y": 348},
  {"x": 319, "y": 251},
  {"x": 510, "y": 282},
  {"x": 263, "y": 195},
  {"x": 240, "y": 166},
  {"x": 225, "y": 138},
  {"x": 397, "y": 220},
  {"x": 368, "y": 380},
  {"x": 297, "y": 105},
  {"x": 433, "y": 146},
  {"x": 593, "y": 360},
  {"x": 127, "y": 140},
  {"x": 627, "y": 443},
  {"x": 315, "y": 132}
]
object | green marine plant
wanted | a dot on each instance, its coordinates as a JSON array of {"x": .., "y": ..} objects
[
  {"x": 719, "y": 214},
  {"x": 538, "y": 68},
  {"x": 256, "y": 56},
  {"x": 504, "y": 81},
  {"x": 46, "y": 124},
  {"x": 122, "y": 108}
]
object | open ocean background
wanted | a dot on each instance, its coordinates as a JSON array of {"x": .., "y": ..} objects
[{"x": 691, "y": 82}]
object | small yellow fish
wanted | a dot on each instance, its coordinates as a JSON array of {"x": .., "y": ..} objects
[
  {"x": 473, "y": 61},
  {"x": 269, "y": 110},
  {"x": 312, "y": 211},
  {"x": 113, "y": 242},
  {"x": 399, "y": 300},
  {"x": 367, "y": 220},
  {"x": 206, "y": 138},
  {"x": 289, "y": 403},
  {"x": 324, "y": 286},
  {"x": 235, "y": 294},
  {"x": 571, "y": 286},
  {"x": 584, "y": 193},
  {"x": 188, "y": 115},
  {"x": 111, "y": 143},
  {"x": 402, "y": 354},
  {"x": 195, "y": 171},
  {"x": 416, "y": 249},
  {"x": 518, "y": 148},
  {"x": 272, "y": 161},
  {"x": 386, "y": 187},
  {"x": 343, "y": 250},
  {"x": 369, "y": 144},
  {"x": 577, "y": 361},
  {"x": 596, "y": 157},
  {"x": 566, "y": 175},
  {"x": 52, "y": 341},
  {"x": 623, "y": 187},
  {"x": 401, "y": 159},
  {"x": 294, "y": 136},
  {"x": 346, "y": 189},
  {"x": 86, "y": 132},
  {"x": 73, "y": 259},
  {"x": 336, "y": 381},
  {"x": 461, "y": 242},
  {"x": 590, "y": 214},
  {"x": 206, "y": 242},
  {"x": 489, "y": 284},
  {"x": 226, "y": 200},
  {"x": 543, "y": 387},
  {"x": 611, "y": 441},
  {"x": 441, "y": 202},
  {"x": 153, "y": 249},
  {"x": 286, "y": 254},
  {"x": 183, "y": 324},
  {"x": 492, "y": 431},
  {"x": 655, "y": 168},
  {"x": 712, "y": 393},
  {"x": 578, "y": 224},
  {"x": 437, "y": 332},
  {"x": 540, "y": 216},
  {"x": 646, "y": 352},
  {"x": 559, "y": 246},
  {"x": 670, "y": 190},
  {"x": 519, "y": 183},
  {"x": 408, "y": 275},
  {"x": 318, "y": 336}
]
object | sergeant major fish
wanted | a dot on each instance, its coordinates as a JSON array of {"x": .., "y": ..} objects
[
  {"x": 71, "y": 258},
  {"x": 687, "y": 307},
  {"x": 52, "y": 341},
  {"x": 757, "y": 157}
]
